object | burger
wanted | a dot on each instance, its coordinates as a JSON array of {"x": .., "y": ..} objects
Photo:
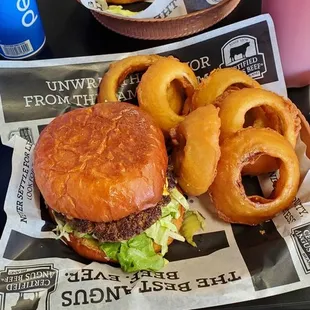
[{"x": 104, "y": 175}]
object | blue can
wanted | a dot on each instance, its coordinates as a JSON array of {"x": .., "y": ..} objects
[{"x": 21, "y": 31}]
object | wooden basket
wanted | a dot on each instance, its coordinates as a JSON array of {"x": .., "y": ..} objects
[{"x": 167, "y": 28}]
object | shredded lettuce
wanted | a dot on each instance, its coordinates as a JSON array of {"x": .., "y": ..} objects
[
  {"x": 62, "y": 229},
  {"x": 161, "y": 230},
  {"x": 193, "y": 222},
  {"x": 172, "y": 208},
  {"x": 160, "y": 235},
  {"x": 176, "y": 195},
  {"x": 83, "y": 235}
]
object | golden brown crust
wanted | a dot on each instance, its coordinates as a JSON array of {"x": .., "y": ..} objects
[
  {"x": 119, "y": 70},
  {"x": 101, "y": 163},
  {"x": 217, "y": 83}
]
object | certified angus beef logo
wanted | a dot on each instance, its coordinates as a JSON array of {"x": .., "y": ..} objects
[
  {"x": 24, "y": 132},
  {"x": 301, "y": 238},
  {"x": 242, "y": 53},
  {"x": 27, "y": 287}
]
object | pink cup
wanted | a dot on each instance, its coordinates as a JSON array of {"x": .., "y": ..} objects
[{"x": 292, "y": 24}]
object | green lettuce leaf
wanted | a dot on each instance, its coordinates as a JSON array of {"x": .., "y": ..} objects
[
  {"x": 83, "y": 235},
  {"x": 193, "y": 222},
  {"x": 176, "y": 195},
  {"x": 111, "y": 249},
  {"x": 172, "y": 208},
  {"x": 136, "y": 254},
  {"x": 160, "y": 235},
  {"x": 161, "y": 230},
  {"x": 62, "y": 229}
]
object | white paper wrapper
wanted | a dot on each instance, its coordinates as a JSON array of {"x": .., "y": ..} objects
[
  {"x": 154, "y": 8},
  {"x": 231, "y": 263}
]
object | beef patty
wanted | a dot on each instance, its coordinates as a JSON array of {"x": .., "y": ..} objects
[{"x": 123, "y": 229}]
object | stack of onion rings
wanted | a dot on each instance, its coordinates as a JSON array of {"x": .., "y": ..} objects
[
  {"x": 234, "y": 108},
  {"x": 212, "y": 149},
  {"x": 239, "y": 150}
]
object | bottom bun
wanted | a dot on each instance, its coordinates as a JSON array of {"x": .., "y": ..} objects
[{"x": 90, "y": 249}]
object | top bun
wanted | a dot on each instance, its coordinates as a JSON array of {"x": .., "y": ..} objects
[{"x": 101, "y": 163}]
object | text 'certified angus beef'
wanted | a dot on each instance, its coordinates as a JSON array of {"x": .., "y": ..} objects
[{"x": 103, "y": 172}]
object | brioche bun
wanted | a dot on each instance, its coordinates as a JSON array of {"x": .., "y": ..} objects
[{"x": 101, "y": 163}]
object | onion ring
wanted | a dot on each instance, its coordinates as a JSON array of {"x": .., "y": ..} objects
[
  {"x": 119, "y": 70},
  {"x": 197, "y": 150},
  {"x": 219, "y": 84},
  {"x": 176, "y": 97},
  {"x": 234, "y": 108},
  {"x": 212, "y": 88},
  {"x": 152, "y": 90},
  {"x": 227, "y": 192},
  {"x": 186, "y": 106},
  {"x": 265, "y": 164},
  {"x": 257, "y": 118}
]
